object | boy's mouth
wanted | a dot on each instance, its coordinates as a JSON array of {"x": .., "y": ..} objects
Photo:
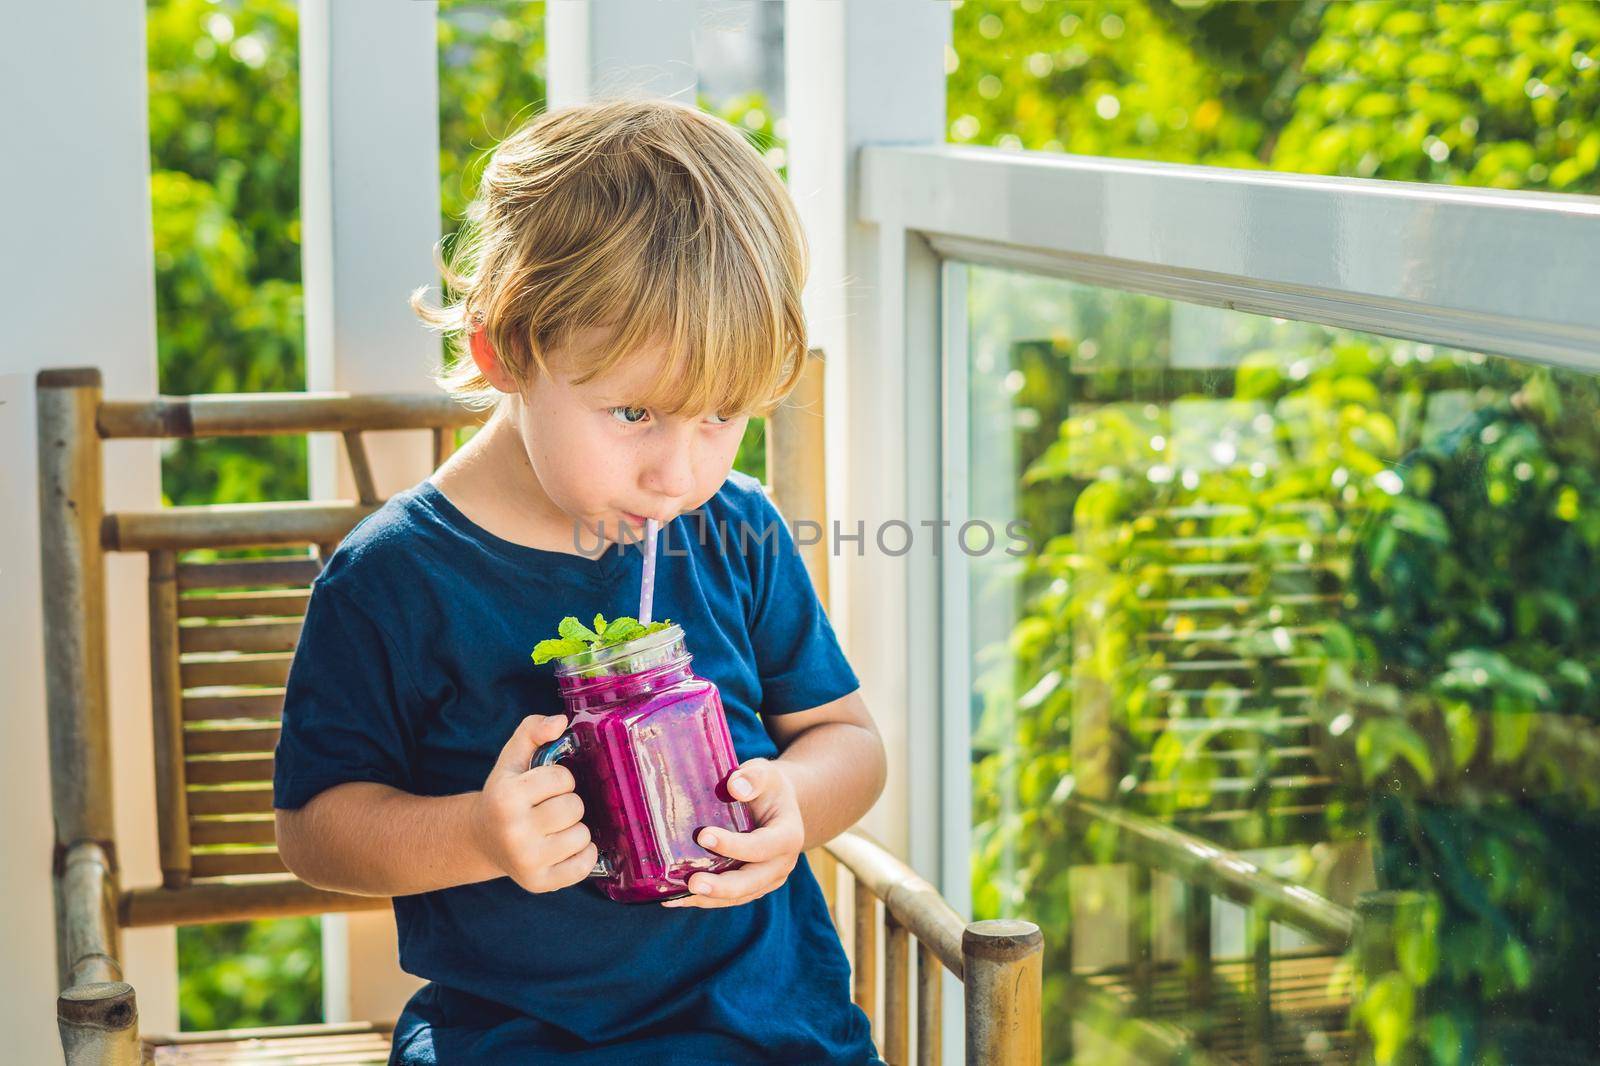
[{"x": 639, "y": 519}]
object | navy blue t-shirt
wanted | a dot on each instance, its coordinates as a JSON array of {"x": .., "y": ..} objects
[{"x": 414, "y": 669}]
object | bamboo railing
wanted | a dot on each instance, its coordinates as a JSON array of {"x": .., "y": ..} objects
[{"x": 213, "y": 783}]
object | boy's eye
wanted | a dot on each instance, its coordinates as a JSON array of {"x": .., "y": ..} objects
[
  {"x": 630, "y": 415},
  {"x": 720, "y": 419}
]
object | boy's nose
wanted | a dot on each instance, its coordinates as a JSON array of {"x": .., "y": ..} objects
[{"x": 672, "y": 473}]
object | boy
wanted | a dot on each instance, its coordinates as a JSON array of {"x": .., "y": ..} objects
[{"x": 629, "y": 295}]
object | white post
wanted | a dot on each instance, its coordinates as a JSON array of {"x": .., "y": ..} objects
[
  {"x": 81, "y": 285},
  {"x": 872, "y": 73},
  {"x": 612, "y": 48},
  {"x": 370, "y": 203},
  {"x": 369, "y": 176}
]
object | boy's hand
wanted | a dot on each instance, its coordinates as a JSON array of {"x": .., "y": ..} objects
[
  {"x": 526, "y": 823},
  {"x": 769, "y": 852}
]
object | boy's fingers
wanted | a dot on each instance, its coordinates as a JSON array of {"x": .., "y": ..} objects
[
  {"x": 558, "y": 812},
  {"x": 751, "y": 880},
  {"x": 762, "y": 843},
  {"x": 571, "y": 842},
  {"x": 575, "y": 868},
  {"x": 532, "y": 731},
  {"x": 706, "y": 903},
  {"x": 751, "y": 779},
  {"x": 545, "y": 782}
]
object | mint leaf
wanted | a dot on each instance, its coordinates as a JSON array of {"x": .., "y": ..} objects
[
  {"x": 622, "y": 629},
  {"x": 572, "y": 629},
  {"x": 626, "y": 628},
  {"x": 546, "y": 650},
  {"x": 576, "y": 637}
]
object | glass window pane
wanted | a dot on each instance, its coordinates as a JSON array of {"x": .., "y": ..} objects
[
  {"x": 1500, "y": 94},
  {"x": 1322, "y": 599}
]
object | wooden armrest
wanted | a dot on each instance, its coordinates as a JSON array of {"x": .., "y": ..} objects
[{"x": 914, "y": 902}]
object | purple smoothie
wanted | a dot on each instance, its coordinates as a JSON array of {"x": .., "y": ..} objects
[{"x": 648, "y": 745}]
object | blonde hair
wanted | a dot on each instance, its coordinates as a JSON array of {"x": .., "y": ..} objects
[{"x": 648, "y": 217}]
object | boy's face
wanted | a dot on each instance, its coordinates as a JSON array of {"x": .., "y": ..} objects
[{"x": 607, "y": 463}]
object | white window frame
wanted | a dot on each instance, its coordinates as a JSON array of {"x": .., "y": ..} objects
[{"x": 1510, "y": 273}]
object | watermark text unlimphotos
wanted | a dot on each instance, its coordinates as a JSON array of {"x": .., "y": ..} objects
[{"x": 892, "y": 537}]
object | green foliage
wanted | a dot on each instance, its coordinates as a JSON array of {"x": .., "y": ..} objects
[
  {"x": 1457, "y": 503},
  {"x": 1499, "y": 93},
  {"x": 1457, "y": 614},
  {"x": 491, "y": 80},
  {"x": 250, "y": 973},
  {"x": 576, "y": 637},
  {"x": 225, "y": 157},
  {"x": 752, "y": 114},
  {"x": 1486, "y": 618},
  {"x": 1452, "y": 506}
]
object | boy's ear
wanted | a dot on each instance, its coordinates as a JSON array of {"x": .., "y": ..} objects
[{"x": 488, "y": 362}]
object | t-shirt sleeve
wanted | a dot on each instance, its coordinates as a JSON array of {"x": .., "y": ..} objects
[
  {"x": 349, "y": 707},
  {"x": 798, "y": 656}
]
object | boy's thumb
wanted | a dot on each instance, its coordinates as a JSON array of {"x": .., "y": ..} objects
[{"x": 532, "y": 731}]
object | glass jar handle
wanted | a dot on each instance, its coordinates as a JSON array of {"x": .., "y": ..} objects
[{"x": 549, "y": 754}]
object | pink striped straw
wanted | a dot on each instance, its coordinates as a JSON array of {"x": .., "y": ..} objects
[{"x": 647, "y": 585}]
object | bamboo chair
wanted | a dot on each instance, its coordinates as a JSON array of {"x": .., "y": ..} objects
[{"x": 221, "y": 637}]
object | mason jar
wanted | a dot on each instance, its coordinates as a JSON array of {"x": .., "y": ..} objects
[{"x": 648, "y": 745}]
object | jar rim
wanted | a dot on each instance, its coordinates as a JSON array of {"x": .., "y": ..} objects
[{"x": 581, "y": 663}]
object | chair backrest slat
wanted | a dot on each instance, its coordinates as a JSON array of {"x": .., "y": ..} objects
[
  {"x": 262, "y": 414},
  {"x": 238, "y": 861},
  {"x": 243, "y": 634},
  {"x": 244, "y": 829},
  {"x": 213, "y": 669},
  {"x": 270, "y": 603},
  {"x": 226, "y": 705},
  {"x": 211, "y": 800},
  {"x": 248, "y": 573},
  {"x": 245, "y": 525},
  {"x": 229, "y": 738},
  {"x": 228, "y": 769}
]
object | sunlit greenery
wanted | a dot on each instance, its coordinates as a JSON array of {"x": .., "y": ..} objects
[
  {"x": 1298, "y": 586},
  {"x": 1482, "y": 92},
  {"x": 225, "y": 184},
  {"x": 250, "y": 973}
]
